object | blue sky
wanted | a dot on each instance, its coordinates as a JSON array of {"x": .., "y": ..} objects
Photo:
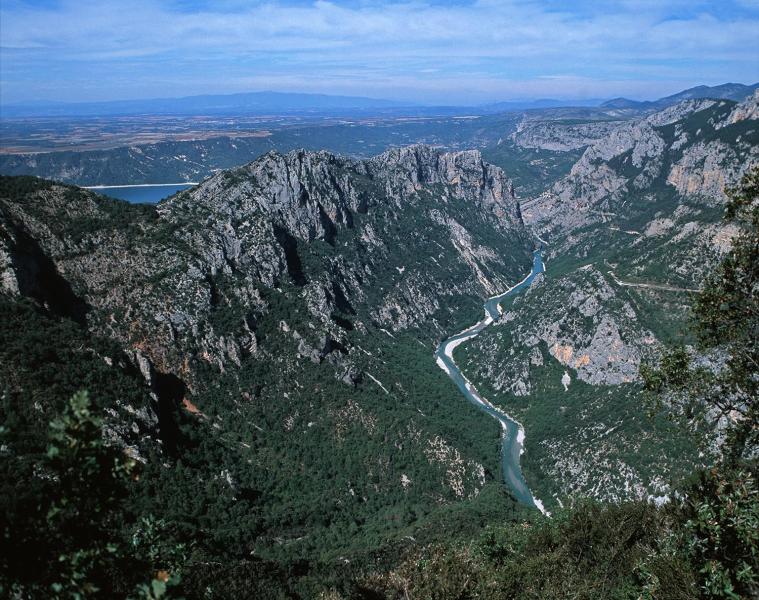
[{"x": 424, "y": 51}]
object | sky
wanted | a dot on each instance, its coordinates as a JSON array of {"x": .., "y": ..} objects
[{"x": 431, "y": 52}]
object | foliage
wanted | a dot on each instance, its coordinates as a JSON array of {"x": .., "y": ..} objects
[
  {"x": 233, "y": 487},
  {"x": 705, "y": 542},
  {"x": 586, "y": 551},
  {"x": 44, "y": 360},
  {"x": 724, "y": 391},
  {"x": 20, "y": 186},
  {"x": 77, "y": 488},
  {"x": 705, "y": 546},
  {"x": 90, "y": 480},
  {"x": 727, "y": 316},
  {"x": 531, "y": 169},
  {"x": 722, "y": 511},
  {"x": 626, "y": 444},
  {"x": 202, "y": 511},
  {"x": 64, "y": 525}
]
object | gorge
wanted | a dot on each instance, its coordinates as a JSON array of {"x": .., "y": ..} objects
[
  {"x": 258, "y": 349},
  {"x": 513, "y": 432}
]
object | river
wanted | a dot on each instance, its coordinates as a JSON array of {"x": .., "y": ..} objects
[{"x": 513, "y": 433}]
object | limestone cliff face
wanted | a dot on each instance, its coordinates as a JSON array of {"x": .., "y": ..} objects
[
  {"x": 609, "y": 135},
  {"x": 389, "y": 242},
  {"x": 578, "y": 319},
  {"x": 670, "y": 167},
  {"x": 470, "y": 178},
  {"x": 686, "y": 146},
  {"x": 313, "y": 195},
  {"x": 746, "y": 110},
  {"x": 706, "y": 169},
  {"x": 561, "y": 137}
]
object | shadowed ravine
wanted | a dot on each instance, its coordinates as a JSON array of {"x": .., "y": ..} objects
[{"x": 513, "y": 432}]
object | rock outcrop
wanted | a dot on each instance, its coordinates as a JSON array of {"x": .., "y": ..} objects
[
  {"x": 686, "y": 147},
  {"x": 389, "y": 242},
  {"x": 672, "y": 167}
]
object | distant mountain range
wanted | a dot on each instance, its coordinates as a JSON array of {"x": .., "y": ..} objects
[
  {"x": 497, "y": 107},
  {"x": 726, "y": 91},
  {"x": 244, "y": 103},
  {"x": 272, "y": 103}
]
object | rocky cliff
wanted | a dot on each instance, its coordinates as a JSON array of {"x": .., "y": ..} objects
[
  {"x": 287, "y": 304},
  {"x": 656, "y": 184},
  {"x": 559, "y": 136},
  {"x": 153, "y": 283}
]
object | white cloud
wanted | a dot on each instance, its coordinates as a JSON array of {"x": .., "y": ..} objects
[{"x": 495, "y": 45}]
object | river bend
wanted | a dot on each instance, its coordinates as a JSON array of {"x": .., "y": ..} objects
[{"x": 512, "y": 431}]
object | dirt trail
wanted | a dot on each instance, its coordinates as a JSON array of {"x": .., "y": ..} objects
[{"x": 652, "y": 286}]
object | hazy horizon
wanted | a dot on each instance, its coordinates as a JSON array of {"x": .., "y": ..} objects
[
  {"x": 395, "y": 102},
  {"x": 423, "y": 52}
]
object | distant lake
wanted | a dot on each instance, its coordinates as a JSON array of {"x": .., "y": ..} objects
[{"x": 137, "y": 194}]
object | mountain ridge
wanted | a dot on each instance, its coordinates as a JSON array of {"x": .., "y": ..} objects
[
  {"x": 271, "y": 102},
  {"x": 725, "y": 91},
  {"x": 264, "y": 102}
]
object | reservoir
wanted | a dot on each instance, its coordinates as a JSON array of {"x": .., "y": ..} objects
[{"x": 140, "y": 194}]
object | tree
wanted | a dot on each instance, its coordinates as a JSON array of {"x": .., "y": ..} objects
[
  {"x": 716, "y": 390},
  {"x": 722, "y": 522},
  {"x": 718, "y": 387},
  {"x": 62, "y": 528}
]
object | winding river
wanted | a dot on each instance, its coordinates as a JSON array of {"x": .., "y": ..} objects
[{"x": 513, "y": 432}]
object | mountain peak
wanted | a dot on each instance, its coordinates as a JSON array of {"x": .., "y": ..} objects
[{"x": 726, "y": 91}]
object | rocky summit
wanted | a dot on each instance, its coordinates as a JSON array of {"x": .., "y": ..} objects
[{"x": 354, "y": 244}]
